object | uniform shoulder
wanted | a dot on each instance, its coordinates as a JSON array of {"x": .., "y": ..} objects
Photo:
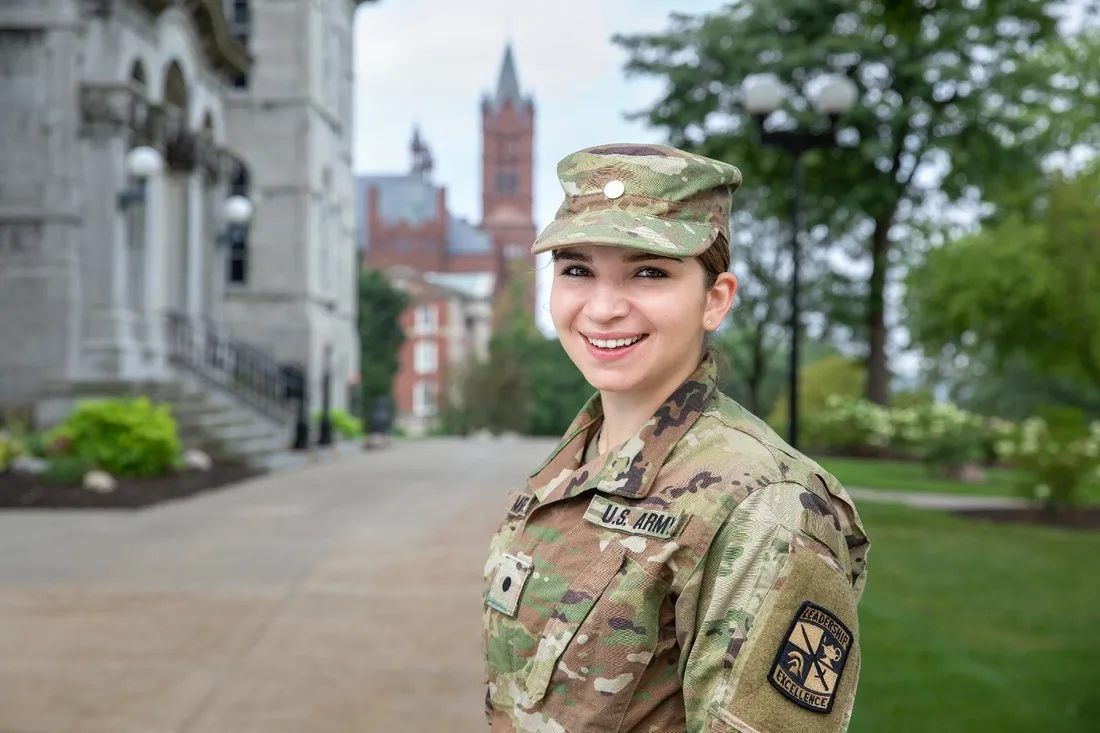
[{"x": 727, "y": 428}]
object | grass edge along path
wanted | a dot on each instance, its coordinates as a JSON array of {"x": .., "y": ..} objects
[
  {"x": 885, "y": 475},
  {"x": 970, "y": 626}
]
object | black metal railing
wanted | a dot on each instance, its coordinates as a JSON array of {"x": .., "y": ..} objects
[{"x": 197, "y": 344}]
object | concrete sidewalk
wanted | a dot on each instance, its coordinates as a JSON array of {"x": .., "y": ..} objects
[{"x": 340, "y": 597}]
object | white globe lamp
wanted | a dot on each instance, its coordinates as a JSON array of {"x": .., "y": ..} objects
[
  {"x": 237, "y": 210},
  {"x": 761, "y": 94},
  {"x": 835, "y": 96},
  {"x": 143, "y": 162}
]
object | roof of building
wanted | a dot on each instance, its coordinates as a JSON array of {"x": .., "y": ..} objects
[
  {"x": 477, "y": 285},
  {"x": 414, "y": 200},
  {"x": 463, "y": 285}
]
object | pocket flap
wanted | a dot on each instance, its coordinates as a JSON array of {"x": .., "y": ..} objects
[{"x": 568, "y": 615}]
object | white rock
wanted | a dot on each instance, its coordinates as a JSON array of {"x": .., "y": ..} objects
[
  {"x": 100, "y": 481},
  {"x": 197, "y": 460},
  {"x": 29, "y": 464}
]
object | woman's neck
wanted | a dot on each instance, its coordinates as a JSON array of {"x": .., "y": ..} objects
[{"x": 624, "y": 413}]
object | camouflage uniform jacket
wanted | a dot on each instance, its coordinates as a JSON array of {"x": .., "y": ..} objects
[{"x": 703, "y": 576}]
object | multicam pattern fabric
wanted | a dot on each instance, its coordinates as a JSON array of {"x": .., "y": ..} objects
[
  {"x": 737, "y": 614},
  {"x": 653, "y": 198}
]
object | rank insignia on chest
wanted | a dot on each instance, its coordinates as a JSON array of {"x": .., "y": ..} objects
[
  {"x": 511, "y": 575},
  {"x": 811, "y": 658}
]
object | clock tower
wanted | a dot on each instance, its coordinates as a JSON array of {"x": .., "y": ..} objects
[{"x": 507, "y": 178}]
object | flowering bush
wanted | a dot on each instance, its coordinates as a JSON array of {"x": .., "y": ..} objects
[
  {"x": 850, "y": 425},
  {"x": 940, "y": 434},
  {"x": 1059, "y": 454}
]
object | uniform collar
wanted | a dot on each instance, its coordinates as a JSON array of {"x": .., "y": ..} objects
[{"x": 631, "y": 470}]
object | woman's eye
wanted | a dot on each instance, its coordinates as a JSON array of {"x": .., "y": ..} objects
[
  {"x": 652, "y": 272},
  {"x": 574, "y": 271}
]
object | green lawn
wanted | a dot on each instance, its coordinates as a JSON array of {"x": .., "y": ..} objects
[
  {"x": 911, "y": 476},
  {"x": 969, "y": 626}
]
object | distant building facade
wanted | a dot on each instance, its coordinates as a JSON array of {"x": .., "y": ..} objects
[
  {"x": 447, "y": 327},
  {"x": 463, "y": 267},
  {"x": 108, "y": 280},
  {"x": 293, "y": 289}
]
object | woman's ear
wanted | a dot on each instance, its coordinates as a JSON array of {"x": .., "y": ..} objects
[{"x": 719, "y": 300}]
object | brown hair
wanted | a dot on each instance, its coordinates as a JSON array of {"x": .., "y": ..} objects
[{"x": 716, "y": 259}]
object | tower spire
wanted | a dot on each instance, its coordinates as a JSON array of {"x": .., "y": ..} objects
[
  {"x": 508, "y": 83},
  {"x": 421, "y": 155}
]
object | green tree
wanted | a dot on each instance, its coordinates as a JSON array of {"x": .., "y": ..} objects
[
  {"x": 955, "y": 104},
  {"x": 380, "y": 334},
  {"x": 1020, "y": 297}
]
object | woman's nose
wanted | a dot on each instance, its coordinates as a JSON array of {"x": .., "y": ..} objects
[{"x": 606, "y": 302}]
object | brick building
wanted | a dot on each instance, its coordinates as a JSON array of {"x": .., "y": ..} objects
[
  {"x": 454, "y": 268},
  {"x": 446, "y": 325}
]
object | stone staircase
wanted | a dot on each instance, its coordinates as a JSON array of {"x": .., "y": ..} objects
[
  {"x": 230, "y": 399},
  {"x": 224, "y": 427}
]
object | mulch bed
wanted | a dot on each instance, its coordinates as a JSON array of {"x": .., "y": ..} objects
[
  {"x": 23, "y": 491},
  {"x": 1084, "y": 517}
]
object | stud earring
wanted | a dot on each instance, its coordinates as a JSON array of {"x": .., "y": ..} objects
[{"x": 708, "y": 323}]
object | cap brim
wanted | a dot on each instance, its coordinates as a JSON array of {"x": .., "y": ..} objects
[{"x": 630, "y": 231}]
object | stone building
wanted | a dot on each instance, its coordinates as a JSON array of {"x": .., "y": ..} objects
[
  {"x": 133, "y": 272},
  {"x": 407, "y": 227}
]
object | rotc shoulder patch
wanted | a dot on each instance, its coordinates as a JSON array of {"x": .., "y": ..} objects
[
  {"x": 811, "y": 658},
  {"x": 632, "y": 519}
]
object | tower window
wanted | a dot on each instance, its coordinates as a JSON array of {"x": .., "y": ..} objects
[{"x": 507, "y": 182}]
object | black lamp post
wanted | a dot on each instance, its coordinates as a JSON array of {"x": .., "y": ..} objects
[
  {"x": 761, "y": 95},
  {"x": 326, "y": 399}
]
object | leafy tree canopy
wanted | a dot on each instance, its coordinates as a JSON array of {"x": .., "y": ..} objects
[
  {"x": 1023, "y": 289},
  {"x": 380, "y": 333},
  {"x": 955, "y": 102}
]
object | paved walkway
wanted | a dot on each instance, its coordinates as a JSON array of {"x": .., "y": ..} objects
[
  {"x": 339, "y": 597},
  {"x": 334, "y": 598}
]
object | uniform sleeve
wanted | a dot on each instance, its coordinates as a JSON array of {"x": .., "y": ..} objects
[{"x": 769, "y": 616}]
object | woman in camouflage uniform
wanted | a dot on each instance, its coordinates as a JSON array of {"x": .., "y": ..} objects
[{"x": 673, "y": 565}]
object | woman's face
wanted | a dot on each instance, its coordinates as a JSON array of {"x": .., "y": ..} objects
[{"x": 634, "y": 322}]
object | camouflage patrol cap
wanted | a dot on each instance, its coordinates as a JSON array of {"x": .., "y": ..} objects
[{"x": 653, "y": 198}]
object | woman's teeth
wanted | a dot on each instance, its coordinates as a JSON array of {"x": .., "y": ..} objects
[{"x": 614, "y": 343}]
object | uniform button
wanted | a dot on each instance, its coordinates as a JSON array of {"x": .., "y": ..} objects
[
  {"x": 506, "y": 584},
  {"x": 614, "y": 189}
]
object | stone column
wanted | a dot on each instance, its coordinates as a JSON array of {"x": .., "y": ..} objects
[
  {"x": 156, "y": 236},
  {"x": 108, "y": 350},
  {"x": 196, "y": 244}
]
